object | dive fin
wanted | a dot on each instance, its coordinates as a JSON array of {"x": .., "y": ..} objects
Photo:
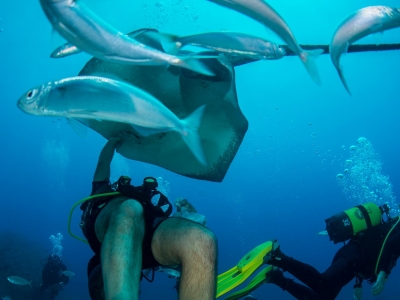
[
  {"x": 308, "y": 59},
  {"x": 246, "y": 266},
  {"x": 255, "y": 283},
  {"x": 191, "y": 135}
]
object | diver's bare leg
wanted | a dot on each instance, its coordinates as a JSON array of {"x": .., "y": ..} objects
[
  {"x": 179, "y": 241},
  {"x": 120, "y": 228}
]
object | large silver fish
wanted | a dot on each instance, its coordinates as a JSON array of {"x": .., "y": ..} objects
[
  {"x": 266, "y": 15},
  {"x": 68, "y": 49},
  {"x": 85, "y": 30},
  {"x": 92, "y": 97},
  {"x": 234, "y": 43},
  {"x": 363, "y": 22},
  {"x": 19, "y": 281}
]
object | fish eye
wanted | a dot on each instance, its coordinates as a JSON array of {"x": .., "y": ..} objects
[{"x": 31, "y": 94}]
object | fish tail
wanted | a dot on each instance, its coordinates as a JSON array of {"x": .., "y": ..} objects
[
  {"x": 169, "y": 42},
  {"x": 340, "y": 72},
  {"x": 308, "y": 58},
  {"x": 191, "y": 136},
  {"x": 194, "y": 64}
]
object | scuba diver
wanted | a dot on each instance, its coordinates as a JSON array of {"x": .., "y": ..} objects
[
  {"x": 129, "y": 229},
  {"x": 370, "y": 254},
  {"x": 53, "y": 276}
]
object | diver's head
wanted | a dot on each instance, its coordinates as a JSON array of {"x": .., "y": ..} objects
[{"x": 54, "y": 259}]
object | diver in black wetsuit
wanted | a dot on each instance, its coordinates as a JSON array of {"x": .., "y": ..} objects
[
  {"x": 52, "y": 276},
  {"x": 356, "y": 259}
]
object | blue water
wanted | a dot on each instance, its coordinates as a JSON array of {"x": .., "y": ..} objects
[{"x": 282, "y": 183}]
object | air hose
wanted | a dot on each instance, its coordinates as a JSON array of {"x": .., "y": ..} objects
[
  {"x": 383, "y": 246},
  {"x": 80, "y": 202}
]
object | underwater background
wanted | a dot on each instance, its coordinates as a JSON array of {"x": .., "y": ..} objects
[{"x": 283, "y": 181}]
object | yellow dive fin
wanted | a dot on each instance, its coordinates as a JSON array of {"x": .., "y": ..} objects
[
  {"x": 246, "y": 266},
  {"x": 257, "y": 281}
]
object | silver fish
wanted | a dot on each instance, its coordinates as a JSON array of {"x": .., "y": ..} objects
[
  {"x": 68, "y": 273},
  {"x": 171, "y": 272},
  {"x": 266, "y": 15},
  {"x": 68, "y": 49},
  {"x": 19, "y": 281},
  {"x": 363, "y": 22},
  {"x": 64, "y": 50},
  {"x": 235, "y": 43},
  {"x": 84, "y": 29},
  {"x": 91, "y": 97}
]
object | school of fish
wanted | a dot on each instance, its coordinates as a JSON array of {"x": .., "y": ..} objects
[{"x": 105, "y": 99}]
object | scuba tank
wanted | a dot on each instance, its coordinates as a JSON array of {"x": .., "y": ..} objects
[{"x": 344, "y": 225}]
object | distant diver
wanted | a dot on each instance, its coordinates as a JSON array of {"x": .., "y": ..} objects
[{"x": 370, "y": 254}]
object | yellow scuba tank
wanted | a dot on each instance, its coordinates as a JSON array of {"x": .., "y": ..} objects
[{"x": 346, "y": 224}]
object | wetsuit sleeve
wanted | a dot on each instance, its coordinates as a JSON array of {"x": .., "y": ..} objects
[{"x": 390, "y": 253}]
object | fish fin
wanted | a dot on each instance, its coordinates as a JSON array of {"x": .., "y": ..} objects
[
  {"x": 378, "y": 37},
  {"x": 56, "y": 39},
  {"x": 168, "y": 41},
  {"x": 56, "y": 52},
  {"x": 308, "y": 58},
  {"x": 192, "y": 138},
  {"x": 144, "y": 131},
  {"x": 340, "y": 72},
  {"x": 78, "y": 127},
  {"x": 135, "y": 33},
  {"x": 195, "y": 65},
  {"x": 272, "y": 36},
  {"x": 346, "y": 49}
]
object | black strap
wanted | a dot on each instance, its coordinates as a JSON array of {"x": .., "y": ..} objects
[
  {"x": 152, "y": 276},
  {"x": 352, "y": 48},
  {"x": 366, "y": 215}
]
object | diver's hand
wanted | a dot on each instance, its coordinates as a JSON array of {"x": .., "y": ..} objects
[
  {"x": 357, "y": 293},
  {"x": 378, "y": 286}
]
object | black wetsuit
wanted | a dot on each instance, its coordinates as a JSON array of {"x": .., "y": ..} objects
[
  {"x": 355, "y": 259},
  {"x": 52, "y": 276}
]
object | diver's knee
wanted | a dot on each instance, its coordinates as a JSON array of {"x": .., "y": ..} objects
[
  {"x": 204, "y": 239},
  {"x": 129, "y": 211}
]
